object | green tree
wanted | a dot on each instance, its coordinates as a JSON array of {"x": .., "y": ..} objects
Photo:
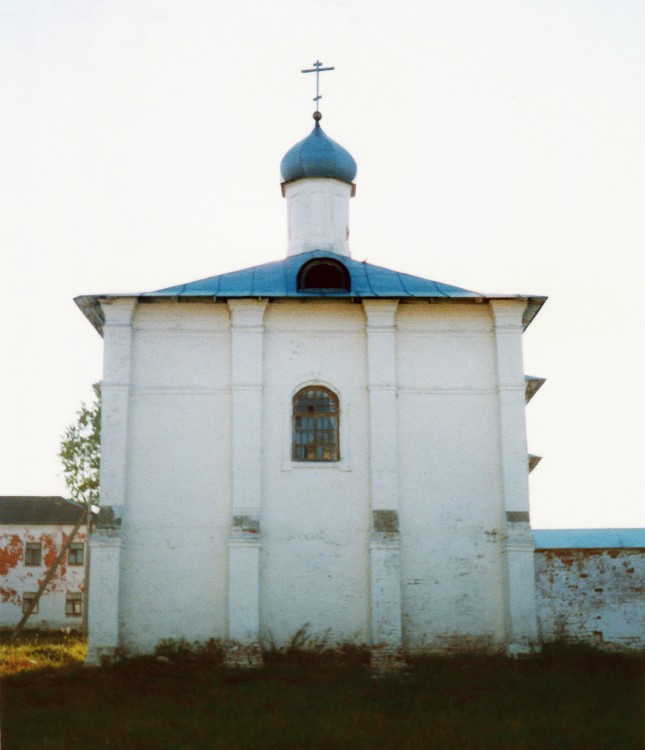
[{"x": 80, "y": 451}]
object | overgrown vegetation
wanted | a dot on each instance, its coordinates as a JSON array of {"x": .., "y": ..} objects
[
  {"x": 179, "y": 651},
  {"x": 303, "y": 648},
  {"x": 181, "y": 698},
  {"x": 36, "y": 651}
]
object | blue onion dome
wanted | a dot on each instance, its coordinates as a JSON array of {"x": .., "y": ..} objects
[{"x": 318, "y": 156}]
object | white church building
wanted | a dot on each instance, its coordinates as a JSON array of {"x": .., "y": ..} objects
[{"x": 315, "y": 445}]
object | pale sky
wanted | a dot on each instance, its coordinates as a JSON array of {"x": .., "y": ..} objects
[{"x": 500, "y": 147}]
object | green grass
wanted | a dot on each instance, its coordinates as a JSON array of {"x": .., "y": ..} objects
[{"x": 567, "y": 698}]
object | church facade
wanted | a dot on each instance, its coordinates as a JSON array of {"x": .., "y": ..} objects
[{"x": 316, "y": 445}]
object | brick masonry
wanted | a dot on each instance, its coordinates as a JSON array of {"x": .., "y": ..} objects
[{"x": 592, "y": 595}]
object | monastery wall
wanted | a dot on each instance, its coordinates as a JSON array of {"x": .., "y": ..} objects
[{"x": 593, "y": 596}]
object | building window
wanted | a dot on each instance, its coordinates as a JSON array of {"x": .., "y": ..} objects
[
  {"x": 315, "y": 425},
  {"x": 74, "y": 605},
  {"x": 27, "y": 598},
  {"x": 75, "y": 553},
  {"x": 33, "y": 553}
]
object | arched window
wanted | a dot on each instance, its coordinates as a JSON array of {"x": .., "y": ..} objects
[
  {"x": 323, "y": 273},
  {"x": 315, "y": 425}
]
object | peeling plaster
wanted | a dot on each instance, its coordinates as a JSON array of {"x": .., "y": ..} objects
[{"x": 18, "y": 578}]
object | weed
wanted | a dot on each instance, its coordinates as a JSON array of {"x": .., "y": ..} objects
[
  {"x": 179, "y": 650},
  {"x": 304, "y": 649}
]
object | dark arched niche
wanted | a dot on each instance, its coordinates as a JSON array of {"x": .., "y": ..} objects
[{"x": 323, "y": 273}]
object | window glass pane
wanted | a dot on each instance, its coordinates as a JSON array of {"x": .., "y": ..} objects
[
  {"x": 75, "y": 553},
  {"x": 27, "y": 599},
  {"x": 74, "y": 604},
  {"x": 315, "y": 436},
  {"x": 33, "y": 553}
]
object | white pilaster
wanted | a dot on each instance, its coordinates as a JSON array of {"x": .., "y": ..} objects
[
  {"x": 385, "y": 569},
  {"x": 318, "y": 215},
  {"x": 518, "y": 549},
  {"x": 381, "y": 382},
  {"x": 105, "y": 541},
  {"x": 115, "y": 386},
  {"x": 244, "y": 544},
  {"x": 244, "y": 588},
  {"x": 103, "y": 614},
  {"x": 521, "y": 608}
]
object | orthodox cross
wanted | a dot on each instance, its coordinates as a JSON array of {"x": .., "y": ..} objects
[{"x": 317, "y": 69}]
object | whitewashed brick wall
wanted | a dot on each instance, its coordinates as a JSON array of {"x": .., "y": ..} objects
[{"x": 592, "y": 595}]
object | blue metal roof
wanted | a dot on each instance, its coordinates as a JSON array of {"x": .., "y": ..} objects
[
  {"x": 588, "y": 538},
  {"x": 318, "y": 156},
  {"x": 279, "y": 279}
]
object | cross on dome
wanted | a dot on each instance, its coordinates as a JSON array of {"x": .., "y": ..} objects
[{"x": 317, "y": 69}]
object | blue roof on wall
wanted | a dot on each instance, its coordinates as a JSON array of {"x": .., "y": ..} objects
[{"x": 588, "y": 538}]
